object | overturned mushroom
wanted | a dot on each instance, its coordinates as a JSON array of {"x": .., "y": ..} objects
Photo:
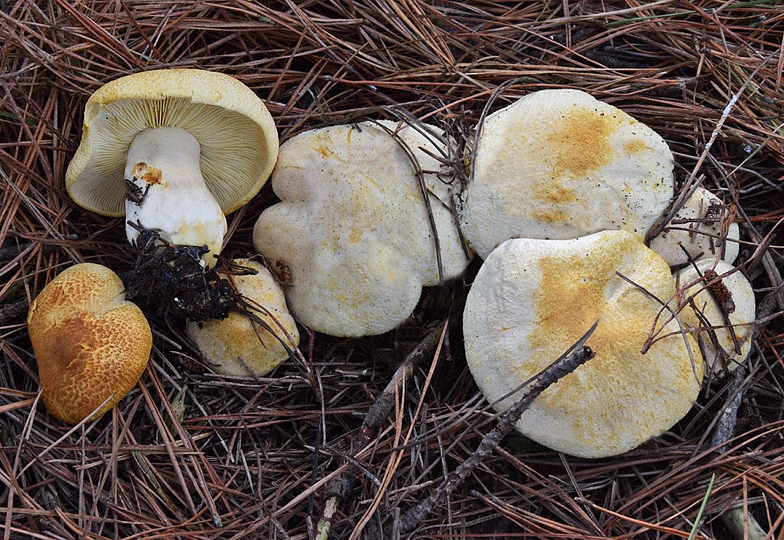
[
  {"x": 696, "y": 231},
  {"x": 722, "y": 308},
  {"x": 245, "y": 345},
  {"x": 353, "y": 232},
  {"x": 533, "y": 299},
  {"x": 559, "y": 164},
  {"x": 90, "y": 343},
  {"x": 173, "y": 150}
]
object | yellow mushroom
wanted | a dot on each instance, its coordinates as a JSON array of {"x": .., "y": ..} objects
[
  {"x": 560, "y": 164},
  {"x": 239, "y": 346},
  {"x": 533, "y": 299},
  {"x": 723, "y": 309},
  {"x": 695, "y": 231},
  {"x": 90, "y": 343}
]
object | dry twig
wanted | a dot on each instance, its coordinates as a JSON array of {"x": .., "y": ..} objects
[
  {"x": 573, "y": 358},
  {"x": 197, "y": 448},
  {"x": 340, "y": 487}
]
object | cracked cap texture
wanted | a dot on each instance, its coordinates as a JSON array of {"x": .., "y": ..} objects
[{"x": 89, "y": 342}]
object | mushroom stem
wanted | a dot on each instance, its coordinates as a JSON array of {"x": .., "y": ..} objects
[{"x": 166, "y": 191}]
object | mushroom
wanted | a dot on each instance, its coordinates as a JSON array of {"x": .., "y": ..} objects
[
  {"x": 697, "y": 228},
  {"x": 239, "y": 346},
  {"x": 559, "y": 164},
  {"x": 533, "y": 299},
  {"x": 722, "y": 308},
  {"x": 90, "y": 343},
  {"x": 353, "y": 230},
  {"x": 173, "y": 150}
]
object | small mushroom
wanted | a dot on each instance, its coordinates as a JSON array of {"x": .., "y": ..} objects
[
  {"x": 239, "y": 346},
  {"x": 90, "y": 343},
  {"x": 722, "y": 308},
  {"x": 559, "y": 164},
  {"x": 173, "y": 150},
  {"x": 533, "y": 299},
  {"x": 697, "y": 228},
  {"x": 352, "y": 232}
]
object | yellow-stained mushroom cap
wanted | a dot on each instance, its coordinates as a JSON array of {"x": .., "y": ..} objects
[
  {"x": 559, "y": 164},
  {"x": 236, "y": 345},
  {"x": 89, "y": 342},
  {"x": 533, "y": 299},
  {"x": 697, "y": 228},
  {"x": 722, "y": 353},
  {"x": 236, "y": 134}
]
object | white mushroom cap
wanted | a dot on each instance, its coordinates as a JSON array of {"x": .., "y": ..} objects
[
  {"x": 533, "y": 299},
  {"x": 236, "y": 345},
  {"x": 697, "y": 227},
  {"x": 559, "y": 164},
  {"x": 734, "y": 292},
  {"x": 353, "y": 229}
]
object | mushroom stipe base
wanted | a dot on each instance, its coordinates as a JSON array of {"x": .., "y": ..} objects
[{"x": 169, "y": 280}]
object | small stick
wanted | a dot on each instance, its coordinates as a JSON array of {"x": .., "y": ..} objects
[
  {"x": 342, "y": 485},
  {"x": 420, "y": 175},
  {"x": 725, "y": 426},
  {"x": 573, "y": 358},
  {"x": 741, "y": 523},
  {"x": 692, "y": 182}
]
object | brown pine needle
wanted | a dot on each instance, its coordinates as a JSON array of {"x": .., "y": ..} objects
[{"x": 197, "y": 455}]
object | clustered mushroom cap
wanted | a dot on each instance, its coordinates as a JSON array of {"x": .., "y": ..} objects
[
  {"x": 734, "y": 291},
  {"x": 353, "y": 229},
  {"x": 236, "y": 345},
  {"x": 353, "y": 235},
  {"x": 89, "y": 342},
  {"x": 559, "y": 164},
  {"x": 697, "y": 228},
  {"x": 533, "y": 299},
  {"x": 236, "y": 133}
]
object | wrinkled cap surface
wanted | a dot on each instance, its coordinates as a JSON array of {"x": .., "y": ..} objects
[
  {"x": 697, "y": 227},
  {"x": 88, "y": 340},
  {"x": 721, "y": 308},
  {"x": 238, "y": 139},
  {"x": 353, "y": 229},
  {"x": 559, "y": 164},
  {"x": 533, "y": 299},
  {"x": 236, "y": 345}
]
